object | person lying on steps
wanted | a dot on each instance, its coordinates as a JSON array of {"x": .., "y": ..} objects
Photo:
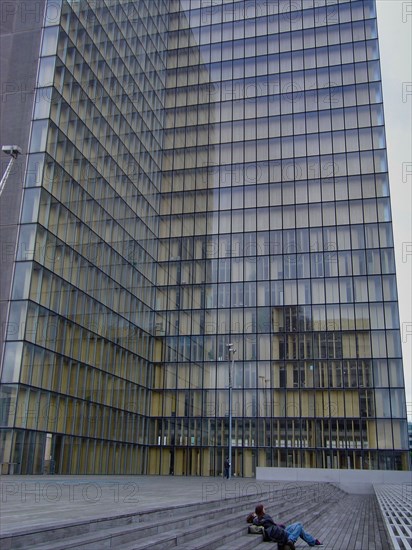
[{"x": 283, "y": 535}]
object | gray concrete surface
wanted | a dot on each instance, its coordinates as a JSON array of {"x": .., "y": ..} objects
[
  {"x": 351, "y": 481},
  {"x": 36, "y": 501},
  {"x": 33, "y": 505}
]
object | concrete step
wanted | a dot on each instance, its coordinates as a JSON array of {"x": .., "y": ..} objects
[
  {"x": 308, "y": 515},
  {"x": 170, "y": 532},
  {"x": 221, "y": 534},
  {"x": 340, "y": 522},
  {"x": 213, "y": 540},
  {"x": 248, "y": 542},
  {"x": 206, "y": 525},
  {"x": 107, "y": 532}
]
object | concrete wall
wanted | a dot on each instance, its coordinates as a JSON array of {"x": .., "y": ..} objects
[
  {"x": 351, "y": 481},
  {"x": 20, "y": 33}
]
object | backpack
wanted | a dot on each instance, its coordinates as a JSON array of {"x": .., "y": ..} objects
[{"x": 256, "y": 530}]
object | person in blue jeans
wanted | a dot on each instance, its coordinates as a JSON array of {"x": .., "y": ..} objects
[{"x": 280, "y": 533}]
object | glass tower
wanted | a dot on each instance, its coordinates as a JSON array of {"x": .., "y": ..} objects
[{"x": 203, "y": 173}]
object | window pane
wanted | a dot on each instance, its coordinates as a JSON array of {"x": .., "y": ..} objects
[
  {"x": 12, "y": 362},
  {"x": 50, "y": 39},
  {"x": 39, "y": 136},
  {"x": 46, "y": 71}
]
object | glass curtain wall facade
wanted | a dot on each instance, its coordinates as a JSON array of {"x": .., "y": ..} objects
[
  {"x": 77, "y": 361},
  {"x": 276, "y": 235},
  {"x": 203, "y": 173}
]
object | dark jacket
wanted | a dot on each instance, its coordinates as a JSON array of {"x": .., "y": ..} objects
[{"x": 274, "y": 532}]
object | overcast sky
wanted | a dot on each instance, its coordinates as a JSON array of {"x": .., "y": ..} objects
[{"x": 395, "y": 37}]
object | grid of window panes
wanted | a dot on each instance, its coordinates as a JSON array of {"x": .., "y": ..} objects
[
  {"x": 240, "y": 196},
  {"x": 276, "y": 235},
  {"x": 77, "y": 370}
]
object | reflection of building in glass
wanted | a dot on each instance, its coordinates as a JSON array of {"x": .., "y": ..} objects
[{"x": 198, "y": 175}]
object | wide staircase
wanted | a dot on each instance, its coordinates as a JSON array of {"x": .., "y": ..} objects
[{"x": 218, "y": 524}]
